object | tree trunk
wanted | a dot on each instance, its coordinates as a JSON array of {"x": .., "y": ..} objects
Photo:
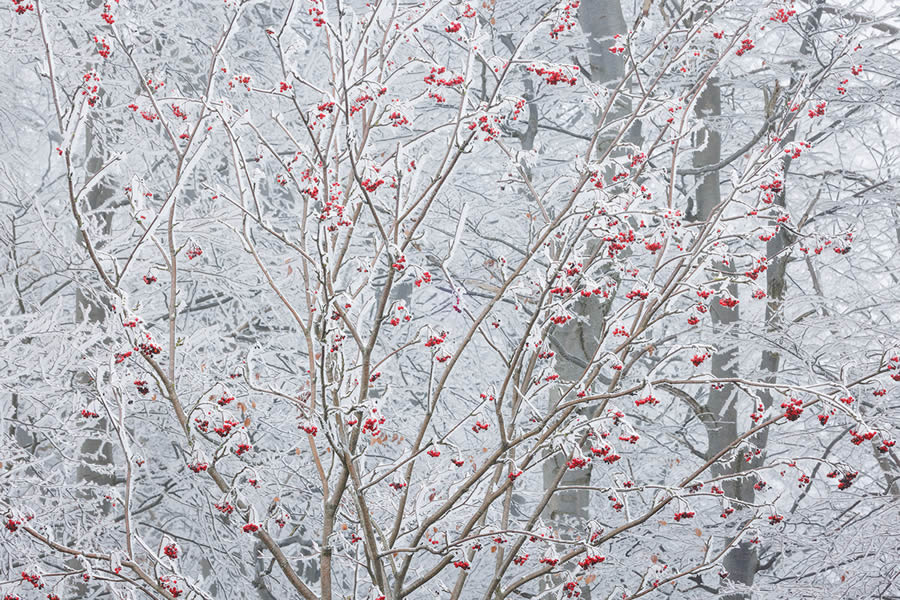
[{"x": 568, "y": 511}]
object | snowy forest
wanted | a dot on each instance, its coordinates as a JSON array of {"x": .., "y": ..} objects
[{"x": 450, "y": 299}]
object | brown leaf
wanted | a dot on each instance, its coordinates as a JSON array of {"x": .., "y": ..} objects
[
  {"x": 247, "y": 422},
  {"x": 698, "y": 532},
  {"x": 654, "y": 559}
]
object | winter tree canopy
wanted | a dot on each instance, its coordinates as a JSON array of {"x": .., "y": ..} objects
[{"x": 477, "y": 300}]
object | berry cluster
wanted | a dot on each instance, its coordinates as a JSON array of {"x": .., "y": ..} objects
[
  {"x": 242, "y": 449},
  {"x": 793, "y": 409},
  {"x": 34, "y": 579},
  {"x": 225, "y": 508},
  {"x": 565, "y": 19},
  {"x": 591, "y": 560},
  {"x": 171, "y": 586},
  {"x": 782, "y": 15},
  {"x": 609, "y": 457},
  {"x": 555, "y": 76},
  {"x": 698, "y": 359},
  {"x": 649, "y": 399},
  {"x": 479, "y": 426},
  {"x": 818, "y": 111},
  {"x": 729, "y": 302},
  {"x": 577, "y": 463},
  {"x": 22, "y": 8},
  {"x": 433, "y": 78},
  {"x": 637, "y": 293},
  {"x": 858, "y": 438},
  {"x": 435, "y": 340},
  {"x": 746, "y": 46}
]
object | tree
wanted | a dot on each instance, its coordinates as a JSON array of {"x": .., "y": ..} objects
[{"x": 441, "y": 300}]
